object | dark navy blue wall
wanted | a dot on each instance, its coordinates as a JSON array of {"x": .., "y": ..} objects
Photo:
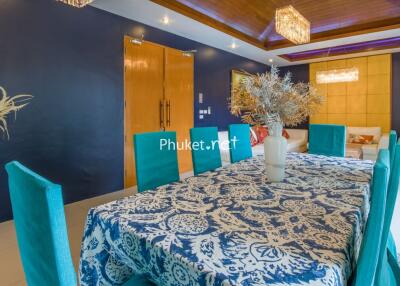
[
  {"x": 71, "y": 60},
  {"x": 396, "y": 92},
  {"x": 214, "y": 81},
  {"x": 300, "y": 73}
]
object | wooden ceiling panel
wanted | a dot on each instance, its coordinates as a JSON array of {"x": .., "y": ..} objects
[
  {"x": 235, "y": 13},
  {"x": 253, "y": 20}
]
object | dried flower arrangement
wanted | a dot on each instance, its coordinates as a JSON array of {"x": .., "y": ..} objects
[
  {"x": 270, "y": 99},
  {"x": 8, "y": 105}
]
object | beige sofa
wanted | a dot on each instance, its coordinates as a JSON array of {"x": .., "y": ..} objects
[
  {"x": 368, "y": 151},
  {"x": 297, "y": 142}
]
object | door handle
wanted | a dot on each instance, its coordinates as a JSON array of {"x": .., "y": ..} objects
[
  {"x": 161, "y": 114},
  {"x": 169, "y": 113}
]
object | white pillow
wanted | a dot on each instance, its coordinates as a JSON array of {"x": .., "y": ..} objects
[
  {"x": 375, "y": 131},
  {"x": 253, "y": 137}
]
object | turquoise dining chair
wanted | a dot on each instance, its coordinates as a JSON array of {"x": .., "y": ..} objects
[
  {"x": 392, "y": 144},
  {"x": 39, "y": 219},
  {"x": 239, "y": 142},
  {"x": 38, "y": 210},
  {"x": 369, "y": 252},
  {"x": 327, "y": 139},
  {"x": 156, "y": 159},
  {"x": 205, "y": 149},
  {"x": 389, "y": 273}
]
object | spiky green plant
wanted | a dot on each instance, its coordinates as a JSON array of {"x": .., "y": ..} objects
[{"x": 10, "y": 104}]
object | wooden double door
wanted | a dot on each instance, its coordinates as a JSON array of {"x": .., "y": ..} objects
[{"x": 158, "y": 96}]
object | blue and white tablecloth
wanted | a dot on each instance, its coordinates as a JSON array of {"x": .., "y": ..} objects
[{"x": 233, "y": 227}]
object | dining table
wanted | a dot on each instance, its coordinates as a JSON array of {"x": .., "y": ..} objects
[{"x": 232, "y": 226}]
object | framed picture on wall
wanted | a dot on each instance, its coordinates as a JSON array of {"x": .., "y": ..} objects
[{"x": 238, "y": 96}]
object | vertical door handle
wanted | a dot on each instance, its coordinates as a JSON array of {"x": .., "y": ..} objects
[
  {"x": 169, "y": 113},
  {"x": 161, "y": 114}
]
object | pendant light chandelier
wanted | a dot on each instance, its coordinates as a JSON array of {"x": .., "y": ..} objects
[
  {"x": 77, "y": 3},
  {"x": 292, "y": 25}
]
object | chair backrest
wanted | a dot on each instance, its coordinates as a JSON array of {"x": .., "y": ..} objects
[
  {"x": 239, "y": 142},
  {"x": 382, "y": 273},
  {"x": 205, "y": 149},
  {"x": 369, "y": 251},
  {"x": 39, "y": 219},
  {"x": 392, "y": 145},
  {"x": 327, "y": 139},
  {"x": 156, "y": 159}
]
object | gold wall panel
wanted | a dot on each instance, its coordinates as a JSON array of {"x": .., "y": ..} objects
[
  {"x": 378, "y": 103},
  {"x": 321, "y": 66},
  {"x": 322, "y": 88},
  {"x": 337, "y": 118},
  {"x": 356, "y": 104},
  {"x": 366, "y": 102},
  {"x": 339, "y": 88},
  {"x": 379, "y": 64},
  {"x": 338, "y": 64},
  {"x": 356, "y": 119},
  {"x": 360, "y": 63},
  {"x": 358, "y": 87},
  {"x": 324, "y": 107},
  {"x": 336, "y": 104},
  {"x": 379, "y": 83},
  {"x": 319, "y": 118},
  {"x": 382, "y": 120}
]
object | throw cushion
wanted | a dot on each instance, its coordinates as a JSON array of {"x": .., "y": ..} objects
[
  {"x": 253, "y": 136},
  {"x": 285, "y": 134},
  {"x": 361, "y": 139},
  {"x": 262, "y": 133}
]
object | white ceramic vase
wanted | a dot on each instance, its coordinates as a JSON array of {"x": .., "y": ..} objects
[{"x": 275, "y": 149}]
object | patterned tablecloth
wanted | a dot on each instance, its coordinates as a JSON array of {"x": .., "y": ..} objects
[{"x": 233, "y": 227}]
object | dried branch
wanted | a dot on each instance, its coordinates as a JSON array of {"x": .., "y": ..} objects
[
  {"x": 268, "y": 98},
  {"x": 10, "y": 104}
]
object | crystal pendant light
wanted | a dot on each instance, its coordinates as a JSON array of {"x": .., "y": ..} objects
[
  {"x": 77, "y": 3},
  {"x": 292, "y": 25}
]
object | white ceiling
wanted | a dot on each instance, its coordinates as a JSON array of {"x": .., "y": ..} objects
[{"x": 149, "y": 13}]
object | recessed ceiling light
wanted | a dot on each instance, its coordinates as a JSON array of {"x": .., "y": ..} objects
[
  {"x": 165, "y": 20},
  {"x": 271, "y": 60},
  {"x": 233, "y": 45}
]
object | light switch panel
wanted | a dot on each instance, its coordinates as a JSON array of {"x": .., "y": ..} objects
[
  {"x": 200, "y": 97},
  {"x": 201, "y": 116}
]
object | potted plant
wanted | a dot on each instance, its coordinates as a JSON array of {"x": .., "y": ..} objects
[{"x": 274, "y": 101}]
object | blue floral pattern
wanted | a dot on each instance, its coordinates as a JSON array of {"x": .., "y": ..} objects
[{"x": 234, "y": 227}]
